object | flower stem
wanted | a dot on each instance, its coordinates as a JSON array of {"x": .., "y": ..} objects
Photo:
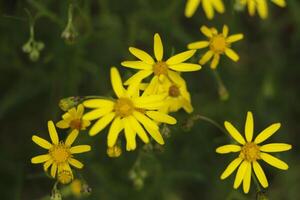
[{"x": 223, "y": 92}]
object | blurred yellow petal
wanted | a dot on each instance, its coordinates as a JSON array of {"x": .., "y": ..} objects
[
  {"x": 71, "y": 137},
  {"x": 218, "y": 5},
  {"x": 225, "y": 30},
  {"x": 231, "y": 168},
  {"x": 158, "y": 47},
  {"x": 101, "y": 124},
  {"x": 181, "y": 57},
  {"x": 262, "y": 9},
  {"x": 114, "y": 131},
  {"x": 80, "y": 110},
  {"x": 234, "y": 133},
  {"x": 191, "y": 7},
  {"x": 138, "y": 77},
  {"x": 41, "y": 142},
  {"x": 249, "y": 126},
  {"x": 234, "y": 38},
  {"x": 53, "y": 170},
  {"x": 52, "y": 132},
  {"x": 47, "y": 164},
  {"x": 207, "y": 56},
  {"x": 198, "y": 45},
  {"x": 129, "y": 135},
  {"x": 208, "y": 9},
  {"x": 266, "y": 133},
  {"x": 142, "y": 55},
  {"x": 161, "y": 117},
  {"x": 206, "y": 31},
  {"x": 275, "y": 162},
  {"x": 251, "y": 7},
  {"x": 80, "y": 149},
  {"x": 275, "y": 147},
  {"x": 176, "y": 78},
  {"x": 280, "y": 3},
  {"x": 185, "y": 67},
  {"x": 98, "y": 103},
  {"x": 137, "y": 65},
  {"x": 232, "y": 54},
  {"x": 247, "y": 179},
  {"x": 116, "y": 82},
  {"x": 76, "y": 163},
  {"x": 62, "y": 124},
  {"x": 40, "y": 158},
  {"x": 215, "y": 61},
  {"x": 228, "y": 148},
  {"x": 259, "y": 172},
  {"x": 240, "y": 174}
]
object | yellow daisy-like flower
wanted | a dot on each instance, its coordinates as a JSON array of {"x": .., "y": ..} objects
[
  {"x": 127, "y": 112},
  {"x": 218, "y": 44},
  {"x": 261, "y": 6},
  {"x": 250, "y": 151},
  {"x": 73, "y": 119},
  {"x": 60, "y": 153},
  {"x": 160, "y": 68},
  {"x": 208, "y": 6}
]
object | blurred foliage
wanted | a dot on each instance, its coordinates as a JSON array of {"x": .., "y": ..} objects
[{"x": 265, "y": 81}]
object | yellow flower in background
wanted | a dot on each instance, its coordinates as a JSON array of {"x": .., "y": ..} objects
[
  {"x": 218, "y": 44},
  {"x": 130, "y": 112},
  {"x": 60, "y": 153},
  {"x": 250, "y": 152},
  {"x": 159, "y": 67},
  {"x": 208, "y": 6},
  {"x": 73, "y": 119},
  {"x": 76, "y": 188},
  {"x": 261, "y": 6}
]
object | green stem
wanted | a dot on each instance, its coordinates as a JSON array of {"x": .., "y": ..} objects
[{"x": 223, "y": 92}]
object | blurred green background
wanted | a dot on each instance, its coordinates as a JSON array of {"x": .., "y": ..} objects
[{"x": 265, "y": 81}]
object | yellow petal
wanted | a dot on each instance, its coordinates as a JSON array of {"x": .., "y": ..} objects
[
  {"x": 40, "y": 158},
  {"x": 41, "y": 142},
  {"x": 101, "y": 124},
  {"x": 47, "y": 164},
  {"x": 275, "y": 147},
  {"x": 145, "y": 120},
  {"x": 231, "y": 168},
  {"x": 215, "y": 61},
  {"x": 262, "y": 9},
  {"x": 139, "y": 129},
  {"x": 53, "y": 170},
  {"x": 138, "y": 77},
  {"x": 266, "y": 133},
  {"x": 52, "y": 132},
  {"x": 97, "y": 113},
  {"x": 208, "y": 9},
  {"x": 176, "y": 78},
  {"x": 155, "y": 134},
  {"x": 158, "y": 47},
  {"x": 62, "y": 124},
  {"x": 181, "y": 57},
  {"x": 185, "y": 67},
  {"x": 114, "y": 130},
  {"x": 137, "y": 65},
  {"x": 161, "y": 117},
  {"x": 275, "y": 162},
  {"x": 71, "y": 137},
  {"x": 98, "y": 103},
  {"x": 80, "y": 149},
  {"x": 206, "y": 57},
  {"x": 129, "y": 135},
  {"x": 142, "y": 55},
  {"x": 218, "y": 5},
  {"x": 234, "y": 38},
  {"x": 116, "y": 82},
  {"x": 141, "y": 101},
  {"x": 151, "y": 89},
  {"x": 251, "y": 7},
  {"x": 247, "y": 179},
  {"x": 76, "y": 163},
  {"x": 228, "y": 148},
  {"x": 191, "y": 7},
  {"x": 206, "y": 31},
  {"x": 232, "y": 54},
  {"x": 198, "y": 45},
  {"x": 280, "y": 3},
  {"x": 225, "y": 30},
  {"x": 240, "y": 174},
  {"x": 80, "y": 110},
  {"x": 259, "y": 172},
  {"x": 234, "y": 133},
  {"x": 249, "y": 127}
]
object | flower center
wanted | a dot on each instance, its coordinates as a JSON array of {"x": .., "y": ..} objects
[
  {"x": 124, "y": 107},
  {"x": 160, "y": 68},
  {"x": 76, "y": 124},
  {"x": 250, "y": 152},
  {"x": 65, "y": 176},
  {"x": 60, "y": 153},
  {"x": 218, "y": 44},
  {"x": 174, "y": 91}
]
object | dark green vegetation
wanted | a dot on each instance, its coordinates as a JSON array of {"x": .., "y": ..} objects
[{"x": 265, "y": 81}]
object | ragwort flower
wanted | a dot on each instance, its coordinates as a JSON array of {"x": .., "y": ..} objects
[
  {"x": 218, "y": 44},
  {"x": 208, "y": 6},
  {"x": 127, "y": 112},
  {"x": 60, "y": 153},
  {"x": 261, "y": 6},
  {"x": 250, "y": 152},
  {"x": 73, "y": 119},
  {"x": 160, "y": 68}
]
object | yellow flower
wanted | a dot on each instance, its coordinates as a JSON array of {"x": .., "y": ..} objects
[
  {"x": 127, "y": 112},
  {"x": 76, "y": 187},
  {"x": 64, "y": 174},
  {"x": 218, "y": 44},
  {"x": 250, "y": 151},
  {"x": 208, "y": 6},
  {"x": 60, "y": 153},
  {"x": 114, "y": 151},
  {"x": 159, "y": 67},
  {"x": 261, "y": 6},
  {"x": 73, "y": 119}
]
